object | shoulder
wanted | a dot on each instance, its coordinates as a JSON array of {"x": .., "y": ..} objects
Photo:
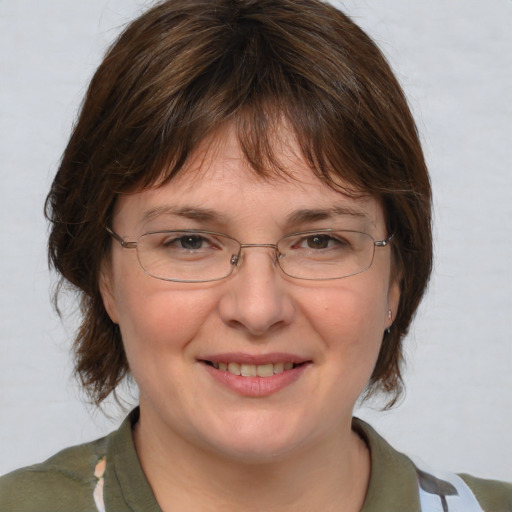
[
  {"x": 400, "y": 484},
  {"x": 462, "y": 492},
  {"x": 64, "y": 482},
  {"x": 494, "y": 496}
]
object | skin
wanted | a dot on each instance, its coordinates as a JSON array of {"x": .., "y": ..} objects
[{"x": 202, "y": 445}]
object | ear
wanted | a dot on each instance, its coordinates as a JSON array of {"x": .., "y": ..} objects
[
  {"x": 393, "y": 300},
  {"x": 106, "y": 286}
]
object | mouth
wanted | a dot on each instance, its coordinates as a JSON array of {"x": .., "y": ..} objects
[
  {"x": 255, "y": 376},
  {"x": 254, "y": 370}
]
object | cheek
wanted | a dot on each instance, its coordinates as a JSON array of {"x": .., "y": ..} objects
[
  {"x": 349, "y": 321},
  {"x": 351, "y": 314},
  {"x": 155, "y": 319}
]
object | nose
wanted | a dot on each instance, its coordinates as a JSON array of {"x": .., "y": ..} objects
[{"x": 257, "y": 298}]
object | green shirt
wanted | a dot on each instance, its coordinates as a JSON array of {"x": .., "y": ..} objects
[{"x": 107, "y": 473}]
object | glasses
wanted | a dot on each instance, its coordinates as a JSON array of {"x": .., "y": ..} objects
[{"x": 194, "y": 256}]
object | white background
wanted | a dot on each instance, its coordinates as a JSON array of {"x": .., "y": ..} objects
[{"x": 454, "y": 58}]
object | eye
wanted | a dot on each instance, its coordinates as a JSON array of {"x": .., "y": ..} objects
[
  {"x": 182, "y": 242},
  {"x": 318, "y": 241},
  {"x": 319, "y": 244},
  {"x": 190, "y": 242}
]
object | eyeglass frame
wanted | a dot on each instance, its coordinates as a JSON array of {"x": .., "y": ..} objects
[{"x": 235, "y": 258}]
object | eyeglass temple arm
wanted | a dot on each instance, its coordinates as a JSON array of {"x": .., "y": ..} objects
[
  {"x": 124, "y": 243},
  {"x": 384, "y": 243}
]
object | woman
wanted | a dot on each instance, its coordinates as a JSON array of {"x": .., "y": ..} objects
[{"x": 245, "y": 209}]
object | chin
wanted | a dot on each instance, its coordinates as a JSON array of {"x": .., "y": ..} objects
[
  {"x": 254, "y": 451},
  {"x": 257, "y": 440}
]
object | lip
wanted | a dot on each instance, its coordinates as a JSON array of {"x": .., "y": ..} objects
[
  {"x": 255, "y": 387},
  {"x": 243, "y": 358}
]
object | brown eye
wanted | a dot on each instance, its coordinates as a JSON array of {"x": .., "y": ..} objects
[{"x": 318, "y": 241}]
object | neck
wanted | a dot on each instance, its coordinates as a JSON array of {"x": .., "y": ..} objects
[{"x": 329, "y": 475}]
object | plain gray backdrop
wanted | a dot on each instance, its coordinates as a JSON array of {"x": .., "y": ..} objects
[{"x": 454, "y": 59}]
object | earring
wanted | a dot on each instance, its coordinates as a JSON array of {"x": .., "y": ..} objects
[{"x": 390, "y": 316}]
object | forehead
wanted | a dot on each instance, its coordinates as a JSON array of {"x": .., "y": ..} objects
[{"x": 217, "y": 184}]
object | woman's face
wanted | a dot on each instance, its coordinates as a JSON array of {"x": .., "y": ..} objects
[{"x": 173, "y": 332}]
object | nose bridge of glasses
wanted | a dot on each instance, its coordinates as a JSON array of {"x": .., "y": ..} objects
[{"x": 236, "y": 259}]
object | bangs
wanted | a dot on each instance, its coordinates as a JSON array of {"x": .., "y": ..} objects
[{"x": 259, "y": 116}]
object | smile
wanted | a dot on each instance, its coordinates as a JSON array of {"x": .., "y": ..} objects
[
  {"x": 254, "y": 370},
  {"x": 255, "y": 376}
]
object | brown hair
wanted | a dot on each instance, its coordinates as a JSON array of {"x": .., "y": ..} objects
[{"x": 186, "y": 67}]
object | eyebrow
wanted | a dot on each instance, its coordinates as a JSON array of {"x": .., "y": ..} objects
[
  {"x": 311, "y": 215},
  {"x": 187, "y": 212}
]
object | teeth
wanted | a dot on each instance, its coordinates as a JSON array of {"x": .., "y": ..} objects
[
  {"x": 234, "y": 368},
  {"x": 265, "y": 370},
  {"x": 254, "y": 370},
  {"x": 278, "y": 367},
  {"x": 248, "y": 370}
]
